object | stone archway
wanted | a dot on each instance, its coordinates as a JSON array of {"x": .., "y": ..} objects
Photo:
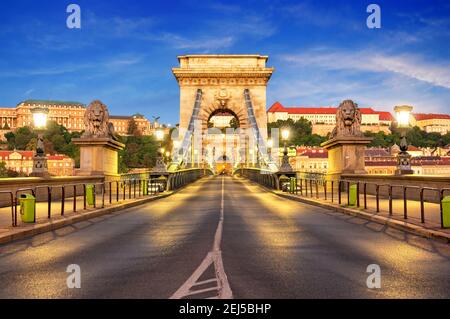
[{"x": 222, "y": 80}]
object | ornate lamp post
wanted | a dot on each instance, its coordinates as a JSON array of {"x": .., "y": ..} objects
[
  {"x": 285, "y": 166},
  {"x": 160, "y": 166},
  {"x": 402, "y": 113},
  {"x": 40, "y": 115}
]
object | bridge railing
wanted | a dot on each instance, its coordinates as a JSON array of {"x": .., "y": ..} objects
[
  {"x": 417, "y": 203},
  {"x": 261, "y": 176},
  {"x": 186, "y": 176},
  {"x": 60, "y": 199},
  {"x": 394, "y": 197}
]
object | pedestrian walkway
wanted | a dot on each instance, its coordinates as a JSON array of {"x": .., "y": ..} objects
[
  {"x": 432, "y": 215},
  {"x": 56, "y": 210}
]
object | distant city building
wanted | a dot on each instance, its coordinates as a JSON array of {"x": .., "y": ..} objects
[
  {"x": 68, "y": 114},
  {"x": 323, "y": 119},
  {"x": 22, "y": 163},
  {"x": 438, "y": 123},
  {"x": 377, "y": 160},
  {"x": 311, "y": 159},
  {"x": 122, "y": 123}
]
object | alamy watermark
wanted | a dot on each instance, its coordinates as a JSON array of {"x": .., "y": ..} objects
[
  {"x": 74, "y": 279},
  {"x": 374, "y": 279},
  {"x": 74, "y": 19},
  {"x": 374, "y": 19}
]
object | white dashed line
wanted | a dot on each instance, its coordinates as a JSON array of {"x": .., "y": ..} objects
[{"x": 222, "y": 288}]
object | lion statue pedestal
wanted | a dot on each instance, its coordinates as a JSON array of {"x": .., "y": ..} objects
[
  {"x": 98, "y": 144},
  {"x": 346, "y": 147}
]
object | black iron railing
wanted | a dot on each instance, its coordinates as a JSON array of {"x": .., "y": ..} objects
[
  {"x": 354, "y": 193},
  {"x": 103, "y": 193},
  {"x": 328, "y": 190}
]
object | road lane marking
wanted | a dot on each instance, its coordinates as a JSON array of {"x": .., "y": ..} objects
[{"x": 214, "y": 257}]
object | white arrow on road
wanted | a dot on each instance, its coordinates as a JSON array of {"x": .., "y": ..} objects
[{"x": 222, "y": 288}]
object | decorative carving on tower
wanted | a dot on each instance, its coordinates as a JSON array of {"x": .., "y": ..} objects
[{"x": 222, "y": 98}]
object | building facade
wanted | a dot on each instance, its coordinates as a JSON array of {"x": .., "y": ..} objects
[
  {"x": 68, "y": 114},
  {"x": 311, "y": 160},
  {"x": 323, "y": 119},
  {"x": 22, "y": 163},
  {"x": 378, "y": 161},
  {"x": 437, "y": 123}
]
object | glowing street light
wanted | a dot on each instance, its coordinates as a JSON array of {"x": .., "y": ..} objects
[
  {"x": 159, "y": 135},
  {"x": 403, "y": 113},
  {"x": 40, "y": 115},
  {"x": 160, "y": 165},
  {"x": 285, "y": 165},
  {"x": 285, "y": 134}
]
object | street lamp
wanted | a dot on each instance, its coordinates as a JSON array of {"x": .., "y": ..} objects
[
  {"x": 159, "y": 135},
  {"x": 40, "y": 115},
  {"x": 160, "y": 166},
  {"x": 285, "y": 166},
  {"x": 167, "y": 156},
  {"x": 402, "y": 113}
]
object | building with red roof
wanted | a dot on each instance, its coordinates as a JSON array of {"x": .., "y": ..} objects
[
  {"x": 323, "y": 119},
  {"x": 21, "y": 162},
  {"x": 431, "y": 122}
]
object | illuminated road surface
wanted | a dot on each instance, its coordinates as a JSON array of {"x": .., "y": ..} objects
[{"x": 269, "y": 247}]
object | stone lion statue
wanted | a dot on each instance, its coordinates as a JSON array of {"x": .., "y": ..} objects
[
  {"x": 96, "y": 121},
  {"x": 348, "y": 120}
]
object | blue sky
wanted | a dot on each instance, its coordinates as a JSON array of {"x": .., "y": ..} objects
[{"x": 322, "y": 51}]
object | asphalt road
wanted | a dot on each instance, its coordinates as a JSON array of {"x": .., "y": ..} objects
[{"x": 260, "y": 246}]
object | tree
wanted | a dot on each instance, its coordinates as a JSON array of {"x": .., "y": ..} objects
[
  {"x": 139, "y": 152},
  {"x": 10, "y": 140},
  {"x": 58, "y": 139},
  {"x": 21, "y": 138},
  {"x": 6, "y": 172},
  {"x": 3, "y": 170},
  {"x": 300, "y": 132},
  {"x": 133, "y": 128},
  {"x": 415, "y": 136}
]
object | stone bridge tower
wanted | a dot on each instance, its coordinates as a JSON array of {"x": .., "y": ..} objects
[{"x": 222, "y": 80}]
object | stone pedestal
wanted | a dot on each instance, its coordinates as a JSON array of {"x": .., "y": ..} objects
[
  {"x": 40, "y": 168},
  {"x": 346, "y": 155},
  {"x": 98, "y": 156}
]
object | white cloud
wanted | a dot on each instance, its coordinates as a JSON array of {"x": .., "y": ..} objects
[
  {"x": 199, "y": 43},
  {"x": 414, "y": 67},
  {"x": 373, "y": 79}
]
